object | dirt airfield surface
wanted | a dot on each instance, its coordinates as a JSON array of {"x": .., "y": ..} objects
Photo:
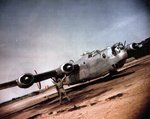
[{"x": 123, "y": 96}]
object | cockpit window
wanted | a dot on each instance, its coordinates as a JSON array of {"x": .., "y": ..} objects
[
  {"x": 93, "y": 53},
  {"x": 117, "y": 47}
]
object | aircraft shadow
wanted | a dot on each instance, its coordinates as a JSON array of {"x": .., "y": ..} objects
[{"x": 99, "y": 80}]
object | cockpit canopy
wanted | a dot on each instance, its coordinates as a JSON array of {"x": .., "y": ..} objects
[
  {"x": 117, "y": 47},
  {"x": 114, "y": 50},
  {"x": 91, "y": 54}
]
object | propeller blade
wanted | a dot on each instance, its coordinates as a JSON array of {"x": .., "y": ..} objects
[
  {"x": 38, "y": 83},
  {"x": 124, "y": 43},
  {"x": 9, "y": 84}
]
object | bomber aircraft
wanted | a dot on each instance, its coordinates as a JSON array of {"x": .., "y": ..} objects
[{"x": 91, "y": 65}]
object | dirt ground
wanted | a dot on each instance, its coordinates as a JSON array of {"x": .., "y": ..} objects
[{"x": 122, "y": 96}]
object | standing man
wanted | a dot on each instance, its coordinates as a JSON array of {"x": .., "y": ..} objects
[{"x": 58, "y": 82}]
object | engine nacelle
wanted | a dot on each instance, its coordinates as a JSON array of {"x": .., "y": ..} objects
[
  {"x": 25, "y": 80},
  {"x": 133, "y": 46},
  {"x": 65, "y": 68},
  {"x": 132, "y": 49}
]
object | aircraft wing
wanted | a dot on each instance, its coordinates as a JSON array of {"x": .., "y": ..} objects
[
  {"x": 29, "y": 79},
  {"x": 9, "y": 84},
  {"x": 45, "y": 75}
]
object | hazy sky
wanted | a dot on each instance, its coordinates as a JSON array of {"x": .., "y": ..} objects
[{"x": 43, "y": 34}]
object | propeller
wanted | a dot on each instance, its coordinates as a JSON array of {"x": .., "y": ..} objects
[{"x": 38, "y": 83}]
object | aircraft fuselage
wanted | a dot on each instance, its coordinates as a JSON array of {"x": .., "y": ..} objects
[{"x": 95, "y": 64}]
